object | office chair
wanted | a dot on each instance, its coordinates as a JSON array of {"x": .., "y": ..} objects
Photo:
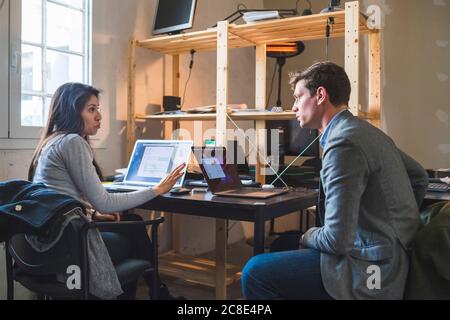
[{"x": 37, "y": 271}]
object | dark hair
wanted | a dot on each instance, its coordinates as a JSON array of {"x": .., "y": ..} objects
[
  {"x": 64, "y": 117},
  {"x": 328, "y": 75}
]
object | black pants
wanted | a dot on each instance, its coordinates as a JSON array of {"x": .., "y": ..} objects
[{"x": 130, "y": 242}]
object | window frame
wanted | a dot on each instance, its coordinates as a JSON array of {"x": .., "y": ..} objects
[
  {"x": 17, "y": 131},
  {"x": 4, "y": 68}
]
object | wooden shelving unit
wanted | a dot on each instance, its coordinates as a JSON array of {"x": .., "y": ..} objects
[
  {"x": 263, "y": 116},
  {"x": 348, "y": 24},
  {"x": 195, "y": 270}
]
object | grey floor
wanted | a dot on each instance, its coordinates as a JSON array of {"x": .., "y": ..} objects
[{"x": 238, "y": 254}]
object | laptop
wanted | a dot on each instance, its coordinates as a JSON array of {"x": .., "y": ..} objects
[
  {"x": 223, "y": 178},
  {"x": 151, "y": 161}
]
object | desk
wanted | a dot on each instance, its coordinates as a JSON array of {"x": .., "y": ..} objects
[{"x": 238, "y": 209}]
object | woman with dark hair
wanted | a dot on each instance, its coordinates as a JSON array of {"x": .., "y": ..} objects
[{"x": 65, "y": 162}]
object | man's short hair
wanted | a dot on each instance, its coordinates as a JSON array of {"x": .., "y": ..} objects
[{"x": 328, "y": 75}]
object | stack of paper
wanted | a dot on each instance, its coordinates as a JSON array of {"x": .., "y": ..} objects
[{"x": 260, "y": 15}]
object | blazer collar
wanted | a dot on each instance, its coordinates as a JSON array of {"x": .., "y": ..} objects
[{"x": 334, "y": 121}]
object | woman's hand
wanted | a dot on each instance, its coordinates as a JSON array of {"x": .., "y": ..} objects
[
  {"x": 115, "y": 216},
  {"x": 168, "y": 182}
]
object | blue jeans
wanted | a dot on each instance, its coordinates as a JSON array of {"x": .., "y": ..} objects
[{"x": 284, "y": 275}]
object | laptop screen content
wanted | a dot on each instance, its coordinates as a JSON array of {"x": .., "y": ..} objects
[
  {"x": 220, "y": 175},
  {"x": 153, "y": 160}
]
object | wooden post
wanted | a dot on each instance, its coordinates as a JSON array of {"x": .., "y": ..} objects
[
  {"x": 260, "y": 103},
  {"x": 169, "y": 128},
  {"x": 374, "y": 110},
  {"x": 131, "y": 120},
  {"x": 222, "y": 83},
  {"x": 352, "y": 52},
  {"x": 221, "y": 139},
  {"x": 173, "y": 74}
]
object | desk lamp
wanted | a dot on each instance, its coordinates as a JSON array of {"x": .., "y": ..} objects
[{"x": 282, "y": 51}]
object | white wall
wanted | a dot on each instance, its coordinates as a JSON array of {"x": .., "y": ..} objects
[{"x": 415, "y": 76}]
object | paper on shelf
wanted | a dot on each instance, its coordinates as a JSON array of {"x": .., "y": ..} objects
[{"x": 253, "y": 16}]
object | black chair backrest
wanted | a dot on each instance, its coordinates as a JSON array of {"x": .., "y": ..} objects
[{"x": 64, "y": 253}]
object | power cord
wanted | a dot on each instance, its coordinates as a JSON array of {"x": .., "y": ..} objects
[
  {"x": 241, "y": 5},
  {"x": 2, "y": 3},
  {"x": 298, "y": 157},
  {"x": 328, "y": 30},
  {"x": 191, "y": 65},
  {"x": 259, "y": 153}
]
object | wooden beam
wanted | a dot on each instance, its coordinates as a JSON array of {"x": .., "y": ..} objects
[
  {"x": 239, "y": 116},
  {"x": 352, "y": 52},
  {"x": 169, "y": 129},
  {"x": 221, "y": 140},
  {"x": 222, "y": 83},
  {"x": 131, "y": 121},
  {"x": 260, "y": 104},
  {"x": 375, "y": 77}
]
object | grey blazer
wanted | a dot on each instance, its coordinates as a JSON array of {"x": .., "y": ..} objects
[{"x": 372, "y": 193}]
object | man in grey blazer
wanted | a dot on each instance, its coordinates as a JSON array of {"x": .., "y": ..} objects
[{"x": 372, "y": 192}]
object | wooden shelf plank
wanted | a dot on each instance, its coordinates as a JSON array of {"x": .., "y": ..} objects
[
  {"x": 194, "y": 269},
  {"x": 287, "y": 115},
  {"x": 246, "y": 35}
]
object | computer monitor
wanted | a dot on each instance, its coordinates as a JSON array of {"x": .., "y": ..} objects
[
  {"x": 293, "y": 139},
  {"x": 298, "y": 138},
  {"x": 172, "y": 16}
]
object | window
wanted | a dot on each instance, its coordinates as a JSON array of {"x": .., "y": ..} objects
[
  {"x": 4, "y": 66},
  {"x": 50, "y": 46}
]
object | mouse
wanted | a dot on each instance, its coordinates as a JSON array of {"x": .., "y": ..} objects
[
  {"x": 179, "y": 191},
  {"x": 268, "y": 187}
]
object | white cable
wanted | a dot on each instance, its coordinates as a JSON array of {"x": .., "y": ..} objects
[
  {"x": 265, "y": 159},
  {"x": 318, "y": 137}
]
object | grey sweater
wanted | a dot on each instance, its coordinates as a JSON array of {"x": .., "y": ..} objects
[{"x": 66, "y": 165}]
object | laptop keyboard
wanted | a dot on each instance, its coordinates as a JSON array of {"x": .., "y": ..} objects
[
  {"x": 438, "y": 187},
  {"x": 246, "y": 191}
]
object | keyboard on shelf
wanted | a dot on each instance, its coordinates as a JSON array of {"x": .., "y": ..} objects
[{"x": 438, "y": 187}]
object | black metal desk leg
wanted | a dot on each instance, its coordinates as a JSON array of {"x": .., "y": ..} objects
[{"x": 258, "y": 237}]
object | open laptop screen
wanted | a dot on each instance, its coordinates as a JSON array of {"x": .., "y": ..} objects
[
  {"x": 152, "y": 160},
  {"x": 221, "y": 176}
]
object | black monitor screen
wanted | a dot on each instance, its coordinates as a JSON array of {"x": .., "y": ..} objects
[
  {"x": 172, "y": 16},
  {"x": 299, "y": 138},
  {"x": 296, "y": 139}
]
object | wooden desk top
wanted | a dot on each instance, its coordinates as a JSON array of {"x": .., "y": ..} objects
[{"x": 209, "y": 205}]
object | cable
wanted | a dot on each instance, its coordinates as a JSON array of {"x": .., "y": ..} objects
[
  {"x": 263, "y": 157},
  {"x": 243, "y": 5},
  {"x": 328, "y": 30},
  {"x": 271, "y": 86},
  {"x": 2, "y": 3},
  {"x": 191, "y": 65},
  {"x": 232, "y": 226},
  {"x": 318, "y": 137}
]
